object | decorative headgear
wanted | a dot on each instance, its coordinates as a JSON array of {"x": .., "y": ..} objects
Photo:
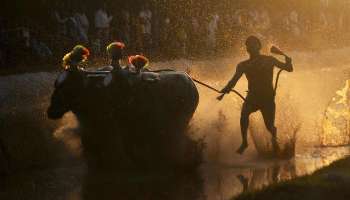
[
  {"x": 77, "y": 55},
  {"x": 139, "y": 61},
  {"x": 114, "y": 50}
]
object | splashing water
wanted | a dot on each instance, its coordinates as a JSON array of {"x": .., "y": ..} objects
[
  {"x": 302, "y": 102},
  {"x": 286, "y": 133},
  {"x": 336, "y": 123}
]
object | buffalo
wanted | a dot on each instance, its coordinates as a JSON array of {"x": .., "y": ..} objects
[{"x": 130, "y": 119}]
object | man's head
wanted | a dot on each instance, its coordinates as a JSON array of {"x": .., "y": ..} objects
[
  {"x": 139, "y": 62},
  {"x": 253, "y": 45},
  {"x": 75, "y": 57},
  {"x": 115, "y": 50}
]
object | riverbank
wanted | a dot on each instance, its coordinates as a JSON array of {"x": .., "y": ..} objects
[{"x": 331, "y": 182}]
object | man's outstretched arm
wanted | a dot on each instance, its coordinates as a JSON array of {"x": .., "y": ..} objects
[
  {"x": 287, "y": 66},
  {"x": 233, "y": 81}
]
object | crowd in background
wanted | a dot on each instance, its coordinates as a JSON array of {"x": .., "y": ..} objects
[{"x": 43, "y": 30}]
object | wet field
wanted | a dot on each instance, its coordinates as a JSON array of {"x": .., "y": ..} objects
[
  {"x": 211, "y": 182},
  {"x": 47, "y": 154}
]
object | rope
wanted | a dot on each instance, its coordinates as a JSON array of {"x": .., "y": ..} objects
[
  {"x": 276, "y": 83},
  {"x": 236, "y": 92},
  {"x": 216, "y": 90},
  {"x": 205, "y": 85},
  {"x": 232, "y": 90}
]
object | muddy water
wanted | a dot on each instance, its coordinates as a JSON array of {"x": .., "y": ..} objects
[
  {"x": 302, "y": 98},
  {"x": 214, "y": 181},
  {"x": 224, "y": 182}
]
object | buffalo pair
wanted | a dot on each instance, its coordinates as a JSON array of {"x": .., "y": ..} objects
[{"x": 127, "y": 120}]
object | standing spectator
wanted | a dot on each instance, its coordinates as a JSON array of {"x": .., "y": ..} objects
[
  {"x": 325, "y": 15},
  {"x": 156, "y": 26},
  {"x": 96, "y": 45},
  {"x": 212, "y": 31},
  {"x": 59, "y": 27},
  {"x": 61, "y": 20},
  {"x": 294, "y": 23},
  {"x": 138, "y": 34},
  {"x": 125, "y": 27},
  {"x": 102, "y": 24},
  {"x": 165, "y": 34},
  {"x": 340, "y": 19},
  {"x": 323, "y": 20},
  {"x": 224, "y": 33},
  {"x": 194, "y": 35},
  {"x": 146, "y": 27},
  {"x": 39, "y": 48},
  {"x": 72, "y": 28},
  {"x": 264, "y": 22},
  {"x": 181, "y": 38},
  {"x": 25, "y": 36},
  {"x": 252, "y": 23},
  {"x": 324, "y": 3},
  {"x": 83, "y": 24},
  {"x": 243, "y": 22}
]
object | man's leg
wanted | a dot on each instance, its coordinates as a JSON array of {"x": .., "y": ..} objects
[
  {"x": 268, "y": 112},
  {"x": 246, "y": 111}
]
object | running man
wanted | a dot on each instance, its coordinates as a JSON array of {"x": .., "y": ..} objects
[{"x": 258, "y": 70}]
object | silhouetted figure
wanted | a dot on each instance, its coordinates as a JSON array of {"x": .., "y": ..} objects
[
  {"x": 139, "y": 62},
  {"x": 258, "y": 70},
  {"x": 115, "y": 53}
]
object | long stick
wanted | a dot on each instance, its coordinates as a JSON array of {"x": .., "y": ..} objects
[
  {"x": 216, "y": 90},
  {"x": 208, "y": 86}
]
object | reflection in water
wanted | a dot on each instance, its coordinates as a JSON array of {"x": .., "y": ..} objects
[
  {"x": 105, "y": 185},
  {"x": 41, "y": 184},
  {"x": 266, "y": 176},
  {"x": 212, "y": 182},
  {"x": 313, "y": 159},
  {"x": 227, "y": 182}
]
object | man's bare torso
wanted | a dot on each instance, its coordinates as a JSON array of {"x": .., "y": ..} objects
[{"x": 259, "y": 73}]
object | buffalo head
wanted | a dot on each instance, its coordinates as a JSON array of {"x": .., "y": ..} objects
[
  {"x": 84, "y": 91},
  {"x": 67, "y": 94}
]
